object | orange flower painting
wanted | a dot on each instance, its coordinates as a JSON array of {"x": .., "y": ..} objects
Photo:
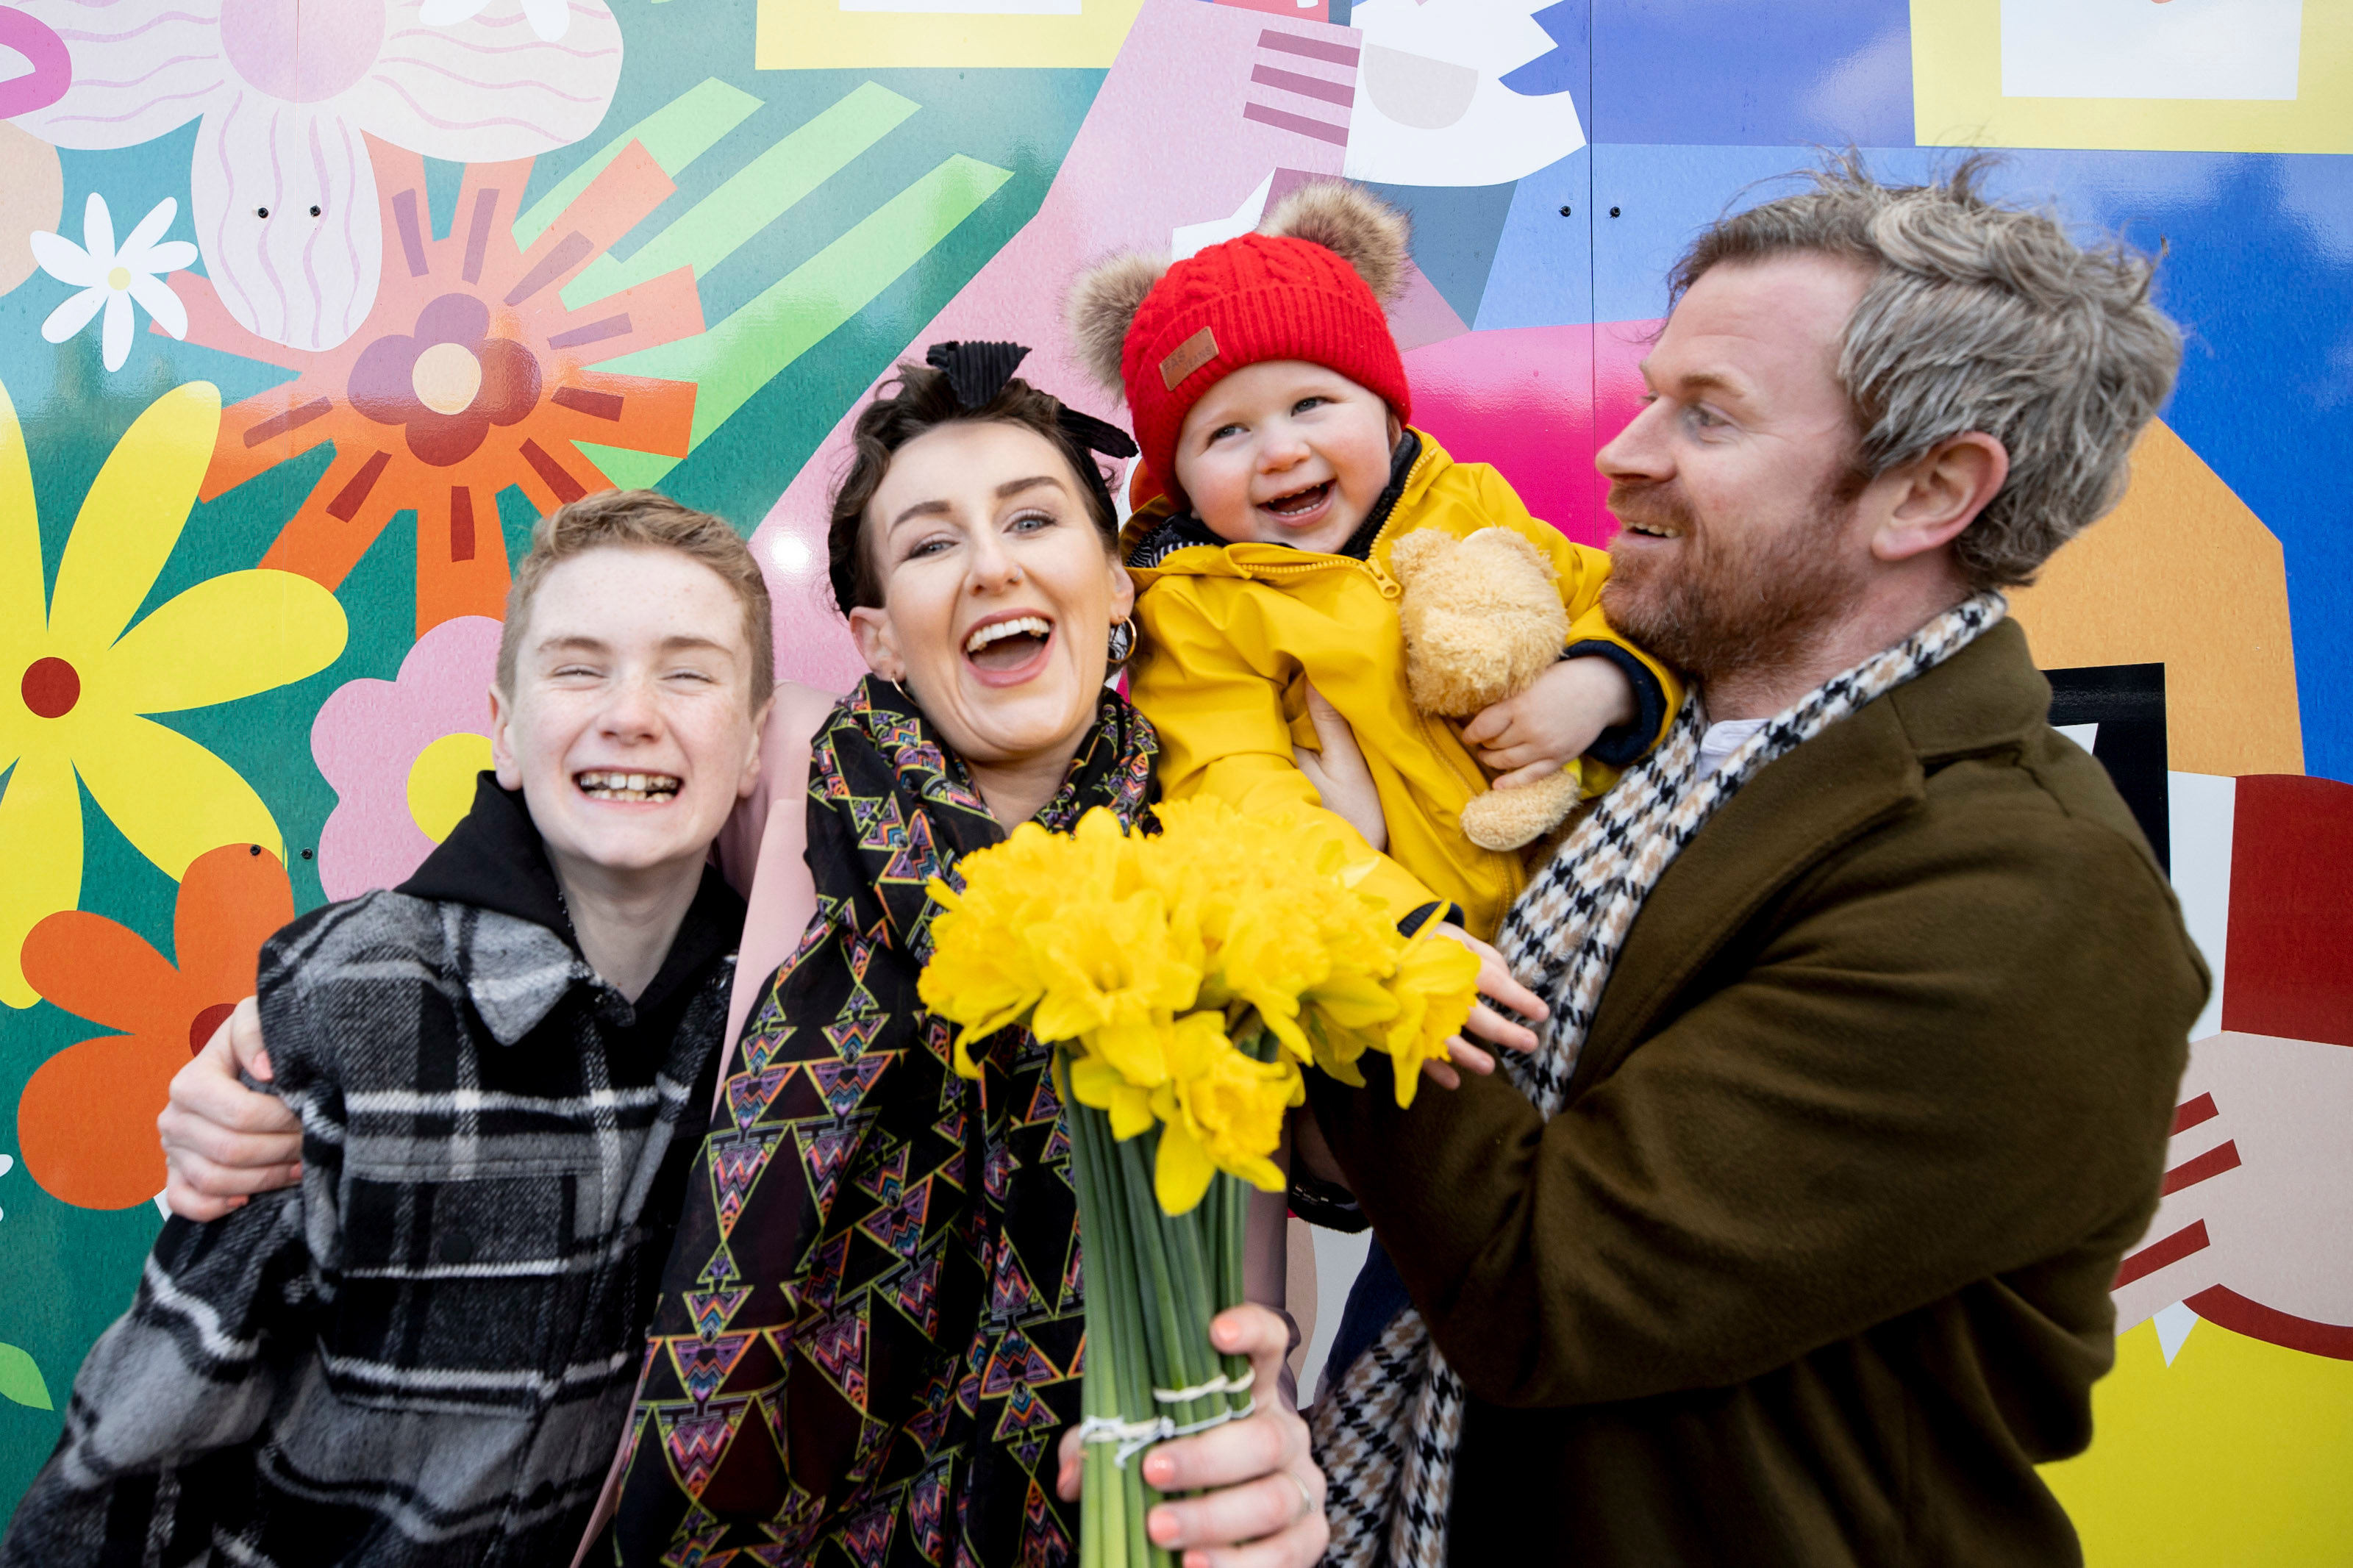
[
  {"x": 469, "y": 375},
  {"x": 86, "y": 1124}
]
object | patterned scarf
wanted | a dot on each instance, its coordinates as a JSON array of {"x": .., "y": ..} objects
[
  {"x": 868, "y": 1335},
  {"x": 1387, "y": 1435}
]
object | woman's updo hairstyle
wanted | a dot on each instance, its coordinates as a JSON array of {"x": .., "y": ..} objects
[{"x": 961, "y": 382}]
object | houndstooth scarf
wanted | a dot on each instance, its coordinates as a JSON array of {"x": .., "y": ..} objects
[{"x": 1386, "y": 1434}]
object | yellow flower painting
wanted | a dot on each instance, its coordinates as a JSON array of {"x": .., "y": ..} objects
[{"x": 78, "y": 678}]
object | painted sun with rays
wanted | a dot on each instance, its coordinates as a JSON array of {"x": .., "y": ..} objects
[{"x": 469, "y": 375}]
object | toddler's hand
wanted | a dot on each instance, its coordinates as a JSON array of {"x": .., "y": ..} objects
[
  {"x": 1553, "y": 722},
  {"x": 1496, "y": 982}
]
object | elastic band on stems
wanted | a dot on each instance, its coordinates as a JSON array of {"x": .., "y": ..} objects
[
  {"x": 1135, "y": 1436},
  {"x": 1222, "y": 1383}
]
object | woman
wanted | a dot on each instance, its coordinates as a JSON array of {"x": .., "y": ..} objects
[{"x": 868, "y": 1341}]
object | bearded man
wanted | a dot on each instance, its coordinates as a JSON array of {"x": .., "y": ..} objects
[{"x": 1863, "y": 1000}]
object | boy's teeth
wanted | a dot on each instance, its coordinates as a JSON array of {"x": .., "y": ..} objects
[
  {"x": 605, "y": 785},
  {"x": 997, "y": 631}
]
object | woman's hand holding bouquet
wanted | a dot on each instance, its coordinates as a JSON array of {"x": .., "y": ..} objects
[{"x": 1187, "y": 978}]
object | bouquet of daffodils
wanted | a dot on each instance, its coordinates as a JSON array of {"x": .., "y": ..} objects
[{"x": 1186, "y": 978}]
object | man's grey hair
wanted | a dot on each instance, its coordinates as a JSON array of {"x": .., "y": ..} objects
[{"x": 1980, "y": 317}]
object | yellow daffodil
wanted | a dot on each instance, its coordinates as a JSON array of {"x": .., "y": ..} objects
[
  {"x": 75, "y": 683},
  {"x": 1109, "y": 970},
  {"x": 1437, "y": 981},
  {"x": 1222, "y": 1111},
  {"x": 1094, "y": 1082},
  {"x": 975, "y": 978}
]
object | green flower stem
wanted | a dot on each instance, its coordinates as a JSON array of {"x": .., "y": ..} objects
[
  {"x": 1117, "y": 1380},
  {"x": 1194, "y": 1288},
  {"x": 1181, "y": 1355}
]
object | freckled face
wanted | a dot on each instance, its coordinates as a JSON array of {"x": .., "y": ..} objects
[
  {"x": 630, "y": 729},
  {"x": 998, "y": 592},
  {"x": 1285, "y": 452}
]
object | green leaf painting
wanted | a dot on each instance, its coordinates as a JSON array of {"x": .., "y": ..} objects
[{"x": 21, "y": 1381}]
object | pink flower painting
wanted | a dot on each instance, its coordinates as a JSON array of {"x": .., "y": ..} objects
[{"x": 402, "y": 755}]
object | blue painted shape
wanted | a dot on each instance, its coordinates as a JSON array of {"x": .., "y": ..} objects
[
  {"x": 1569, "y": 64},
  {"x": 2259, "y": 271},
  {"x": 1455, "y": 228},
  {"x": 443, "y": 182},
  {"x": 1737, "y": 72},
  {"x": 1543, "y": 275},
  {"x": 1665, "y": 195}
]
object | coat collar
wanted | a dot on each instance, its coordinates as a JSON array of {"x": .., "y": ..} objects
[
  {"x": 1800, "y": 810},
  {"x": 522, "y": 955}
]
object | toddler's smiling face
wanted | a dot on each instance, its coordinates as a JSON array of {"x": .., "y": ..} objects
[{"x": 1285, "y": 452}]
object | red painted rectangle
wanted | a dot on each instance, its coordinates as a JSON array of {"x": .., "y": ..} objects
[
  {"x": 2191, "y": 1239},
  {"x": 2290, "y": 968},
  {"x": 2213, "y": 1162}
]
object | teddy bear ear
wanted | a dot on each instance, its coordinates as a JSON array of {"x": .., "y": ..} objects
[
  {"x": 1371, "y": 236},
  {"x": 1416, "y": 550},
  {"x": 1511, "y": 542},
  {"x": 1101, "y": 306}
]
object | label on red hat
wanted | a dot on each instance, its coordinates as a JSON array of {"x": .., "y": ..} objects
[{"x": 1187, "y": 357}]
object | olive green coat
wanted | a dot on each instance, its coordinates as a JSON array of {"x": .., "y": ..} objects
[{"x": 1813, "y": 1267}]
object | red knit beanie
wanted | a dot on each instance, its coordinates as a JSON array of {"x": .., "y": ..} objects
[{"x": 1257, "y": 298}]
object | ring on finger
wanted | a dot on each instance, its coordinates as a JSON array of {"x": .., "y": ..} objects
[{"x": 1306, "y": 1498}]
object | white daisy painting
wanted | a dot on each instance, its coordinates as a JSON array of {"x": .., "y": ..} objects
[{"x": 112, "y": 276}]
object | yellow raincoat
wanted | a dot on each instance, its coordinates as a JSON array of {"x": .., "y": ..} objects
[{"x": 1232, "y": 632}]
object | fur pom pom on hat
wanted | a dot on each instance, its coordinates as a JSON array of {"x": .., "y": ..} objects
[{"x": 1311, "y": 284}]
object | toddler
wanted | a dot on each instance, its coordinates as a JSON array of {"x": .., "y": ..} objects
[{"x": 1270, "y": 404}]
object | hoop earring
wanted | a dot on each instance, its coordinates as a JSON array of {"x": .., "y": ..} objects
[{"x": 1123, "y": 641}]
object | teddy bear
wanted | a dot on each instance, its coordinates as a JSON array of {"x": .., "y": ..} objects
[{"x": 1482, "y": 618}]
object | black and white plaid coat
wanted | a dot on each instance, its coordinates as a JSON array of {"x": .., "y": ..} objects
[{"x": 423, "y": 1353}]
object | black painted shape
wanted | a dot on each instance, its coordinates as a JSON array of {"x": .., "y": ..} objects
[{"x": 2128, "y": 702}]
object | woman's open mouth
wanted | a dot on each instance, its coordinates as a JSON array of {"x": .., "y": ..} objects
[
  {"x": 1299, "y": 506},
  {"x": 613, "y": 784},
  {"x": 1009, "y": 649}
]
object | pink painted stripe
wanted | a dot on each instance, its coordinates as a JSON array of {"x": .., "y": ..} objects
[
  {"x": 278, "y": 424},
  {"x": 486, "y": 207},
  {"x": 503, "y": 49},
  {"x": 1338, "y": 92},
  {"x": 203, "y": 91},
  {"x": 88, "y": 36},
  {"x": 1313, "y": 48},
  {"x": 1335, "y": 134},
  {"x": 436, "y": 120},
  {"x": 568, "y": 253},
  {"x": 487, "y": 86},
  {"x": 412, "y": 237}
]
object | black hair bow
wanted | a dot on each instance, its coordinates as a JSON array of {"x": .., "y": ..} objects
[{"x": 977, "y": 372}]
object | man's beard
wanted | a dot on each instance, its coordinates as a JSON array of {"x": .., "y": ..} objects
[{"x": 1727, "y": 607}]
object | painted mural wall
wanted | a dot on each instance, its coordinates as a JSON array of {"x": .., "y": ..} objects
[{"x": 308, "y": 307}]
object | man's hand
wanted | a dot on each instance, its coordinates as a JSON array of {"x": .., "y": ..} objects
[
  {"x": 1554, "y": 721},
  {"x": 1263, "y": 1496},
  {"x": 1498, "y": 1028},
  {"x": 223, "y": 1142}
]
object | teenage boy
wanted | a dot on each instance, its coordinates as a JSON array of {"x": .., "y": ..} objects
[{"x": 423, "y": 1353}]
